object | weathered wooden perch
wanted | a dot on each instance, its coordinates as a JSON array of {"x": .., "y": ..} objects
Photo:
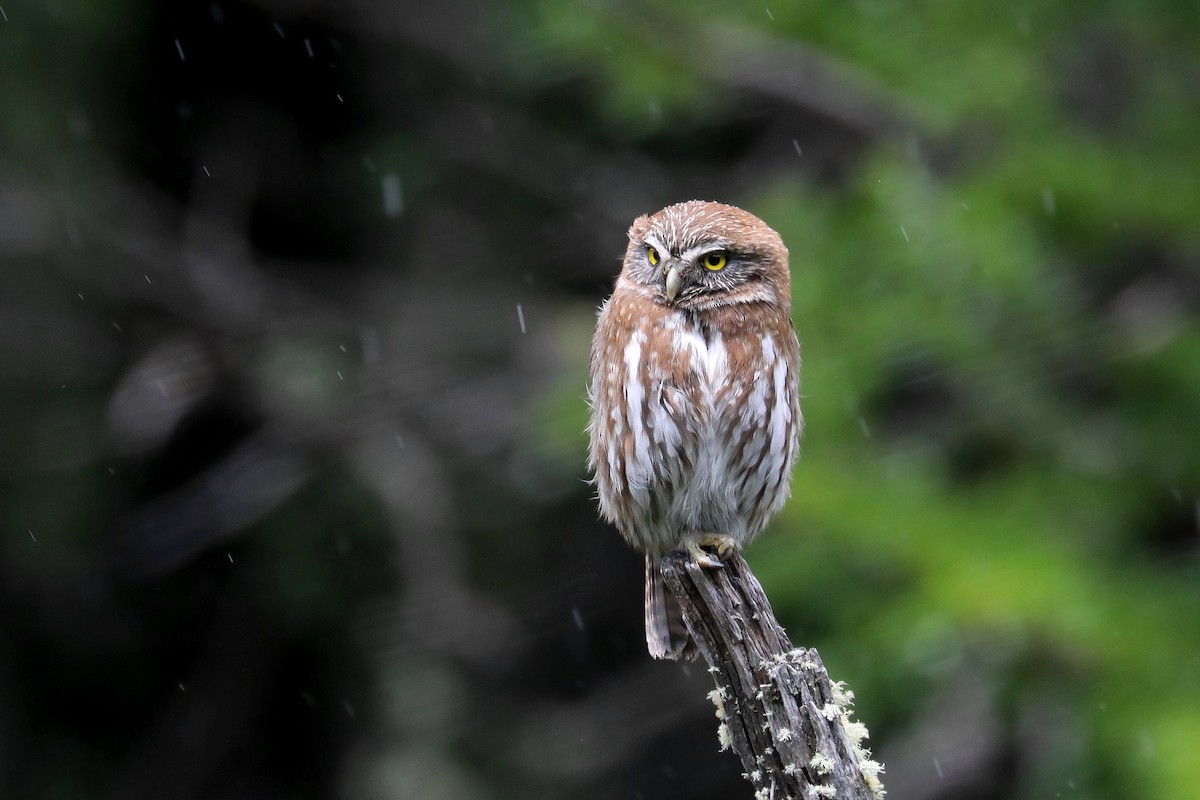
[{"x": 779, "y": 712}]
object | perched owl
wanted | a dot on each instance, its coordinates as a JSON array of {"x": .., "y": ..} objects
[{"x": 695, "y": 412}]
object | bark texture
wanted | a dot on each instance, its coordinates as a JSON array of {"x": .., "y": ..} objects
[{"x": 778, "y": 710}]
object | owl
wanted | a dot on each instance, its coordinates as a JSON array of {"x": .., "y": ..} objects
[{"x": 695, "y": 414}]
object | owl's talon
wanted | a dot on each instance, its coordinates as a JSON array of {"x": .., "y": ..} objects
[
  {"x": 723, "y": 545},
  {"x": 703, "y": 559}
]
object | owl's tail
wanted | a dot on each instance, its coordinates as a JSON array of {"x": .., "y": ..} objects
[{"x": 666, "y": 635}]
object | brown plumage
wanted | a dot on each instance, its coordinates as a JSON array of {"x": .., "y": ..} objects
[{"x": 695, "y": 414}]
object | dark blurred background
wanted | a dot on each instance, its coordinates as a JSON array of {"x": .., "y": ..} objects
[{"x": 295, "y": 303}]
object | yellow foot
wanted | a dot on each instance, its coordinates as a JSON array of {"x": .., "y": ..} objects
[{"x": 698, "y": 546}]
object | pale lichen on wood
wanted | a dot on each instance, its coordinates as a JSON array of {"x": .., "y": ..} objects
[{"x": 778, "y": 710}]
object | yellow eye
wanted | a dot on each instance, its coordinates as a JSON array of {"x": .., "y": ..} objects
[
  {"x": 716, "y": 260},
  {"x": 651, "y": 255}
]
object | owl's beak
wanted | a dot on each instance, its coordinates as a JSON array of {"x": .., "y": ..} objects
[{"x": 673, "y": 281}]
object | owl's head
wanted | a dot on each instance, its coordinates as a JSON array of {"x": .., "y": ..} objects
[{"x": 700, "y": 254}]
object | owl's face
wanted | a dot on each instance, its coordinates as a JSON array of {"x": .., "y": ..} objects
[{"x": 698, "y": 255}]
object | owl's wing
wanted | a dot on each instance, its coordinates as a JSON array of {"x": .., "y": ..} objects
[
  {"x": 643, "y": 422},
  {"x": 760, "y": 416}
]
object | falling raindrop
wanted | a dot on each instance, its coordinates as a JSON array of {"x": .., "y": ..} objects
[
  {"x": 179, "y": 49},
  {"x": 369, "y": 342},
  {"x": 1048, "y": 204},
  {"x": 393, "y": 198},
  {"x": 521, "y": 318}
]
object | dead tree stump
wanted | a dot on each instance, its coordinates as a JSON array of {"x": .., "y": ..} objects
[{"x": 778, "y": 710}]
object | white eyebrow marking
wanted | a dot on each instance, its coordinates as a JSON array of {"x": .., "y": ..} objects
[
  {"x": 653, "y": 240},
  {"x": 693, "y": 253}
]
